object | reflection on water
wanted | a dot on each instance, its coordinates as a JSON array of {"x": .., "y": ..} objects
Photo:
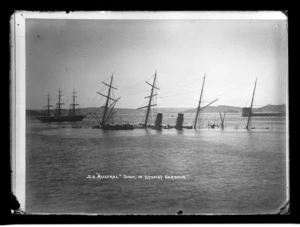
[{"x": 230, "y": 171}]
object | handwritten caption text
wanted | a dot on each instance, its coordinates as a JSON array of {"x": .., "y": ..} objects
[{"x": 98, "y": 176}]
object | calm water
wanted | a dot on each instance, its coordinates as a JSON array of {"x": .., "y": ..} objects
[{"x": 230, "y": 171}]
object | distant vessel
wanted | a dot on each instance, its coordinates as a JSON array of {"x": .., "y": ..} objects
[
  {"x": 246, "y": 111},
  {"x": 58, "y": 117}
]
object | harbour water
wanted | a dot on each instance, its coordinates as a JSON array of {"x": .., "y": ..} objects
[{"x": 206, "y": 171}]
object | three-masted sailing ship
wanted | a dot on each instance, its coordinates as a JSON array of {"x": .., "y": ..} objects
[{"x": 58, "y": 116}]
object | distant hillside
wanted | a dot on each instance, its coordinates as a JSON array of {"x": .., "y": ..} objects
[
  {"x": 97, "y": 110},
  {"x": 209, "y": 109},
  {"x": 271, "y": 108},
  {"x": 172, "y": 110},
  {"x": 234, "y": 109},
  {"x": 216, "y": 109}
]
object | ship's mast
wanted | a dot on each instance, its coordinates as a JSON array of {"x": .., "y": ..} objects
[
  {"x": 48, "y": 105},
  {"x": 105, "y": 115},
  {"x": 250, "y": 112},
  {"x": 73, "y": 113},
  {"x": 198, "y": 108},
  {"x": 59, "y": 104},
  {"x": 150, "y": 99},
  {"x": 106, "y": 104}
]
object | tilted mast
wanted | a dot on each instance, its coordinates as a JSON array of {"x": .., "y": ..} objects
[
  {"x": 59, "y": 104},
  {"x": 198, "y": 109},
  {"x": 150, "y": 99},
  {"x": 250, "y": 112},
  {"x": 107, "y": 106},
  {"x": 73, "y": 112}
]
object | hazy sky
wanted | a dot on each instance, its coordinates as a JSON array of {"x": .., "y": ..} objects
[{"x": 80, "y": 54}]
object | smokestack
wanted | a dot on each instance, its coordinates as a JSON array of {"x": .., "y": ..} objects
[
  {"x": 246, "y": 111},
  {"x": 158, "y": 122},
  {"x": 179, "y": 121}
]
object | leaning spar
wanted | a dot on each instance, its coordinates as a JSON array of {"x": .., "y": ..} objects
[
  {"x": 106, "y": 114},
  {"x": 199, "y": 104},
  {"x": 150, "y": 99},
  {"x": 250, "y": 112},
  {"x": 109, "y": 111}
]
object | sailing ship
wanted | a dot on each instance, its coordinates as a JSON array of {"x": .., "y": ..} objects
[
  {"x": 159, "y": 116},
  {"x": 107, "y": 121},
  {"x": 58, "y": 117}
]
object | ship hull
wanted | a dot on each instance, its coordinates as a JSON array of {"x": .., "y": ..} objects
[
  {"x": 115, "y": 127},
  {"x": 62, "y": 119},
  {"x": 118, "y": 127}
]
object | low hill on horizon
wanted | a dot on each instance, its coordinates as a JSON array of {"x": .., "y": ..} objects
[
  {"x": 209, "y": 109},
  {"x": 220, "y": 108}
]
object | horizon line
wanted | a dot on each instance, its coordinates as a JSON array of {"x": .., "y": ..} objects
[{"x": 165, "y": 107}]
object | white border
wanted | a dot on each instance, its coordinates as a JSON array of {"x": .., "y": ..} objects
[
  {"x": 18, "y": 62},
  {"x": 287, "y": 121},
  {"x": 18, "y": 84},
  {"x": 189, "y": 15}
]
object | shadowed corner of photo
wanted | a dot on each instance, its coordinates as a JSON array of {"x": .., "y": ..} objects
[
  {"x": 180, "y": 212},
  {"x": 285, "y": 209},
  {"x": 14, "y": 204}
]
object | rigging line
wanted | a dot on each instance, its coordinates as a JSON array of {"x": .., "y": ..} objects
[
  {"x": 181, "y": 93},
  {"x": 226, "y": 92},
  {"x": 180, "y": 102},
  {"x": 98, "y": 105},
  {"x": 95, "y": 97},
  {"x": 150, "y": 77},
  {"x": 136, "y": 90},
  {"x": 126, "y": 89},
  {"x": 134, "y": 93},
  {"x": 194, "y": 110},
  {"x": 247, "y": 101},
  {"x": 108, "y": 78},
  {"x": 166, "y": 103},
  {"x": 184, "y": 85},
  {"x": 183, "y": 98},
  {"x": 114, "y": 84}
]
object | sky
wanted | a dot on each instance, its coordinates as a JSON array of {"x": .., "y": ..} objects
[{"x": 80, "y": 54}]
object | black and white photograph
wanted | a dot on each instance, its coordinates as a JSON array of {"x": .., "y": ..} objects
[{"x": 150, "y": 113}]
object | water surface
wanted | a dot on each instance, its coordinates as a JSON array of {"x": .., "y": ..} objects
[{"x": 227, "y": 171}]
